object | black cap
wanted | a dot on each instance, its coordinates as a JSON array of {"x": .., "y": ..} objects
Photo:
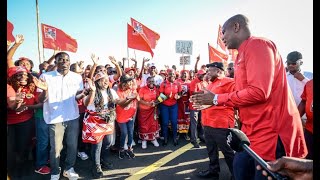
[
  {"x": 125, "y": 78},
  {"x": 294, "y": 56},
  {"x": 216, "y": 64}
]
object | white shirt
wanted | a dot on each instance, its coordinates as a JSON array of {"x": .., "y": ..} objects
[
  {"x": 105, "y": 99},
  {"x": 61, "y": 105},
  {"x": 296, "y": 86},
  {"x": 157, "y": 80}
]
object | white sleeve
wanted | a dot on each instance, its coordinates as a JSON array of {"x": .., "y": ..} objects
[
  {"x": 114, "y": 94},
  {"x": 81, "y": 83}
]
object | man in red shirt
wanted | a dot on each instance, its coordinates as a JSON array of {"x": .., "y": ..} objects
[
  {"x": 268, "y": 113},
  {"x": 306, "y": 106},
  {"x": 216, "y": 120},
  {"x": 197, "y": 84}
]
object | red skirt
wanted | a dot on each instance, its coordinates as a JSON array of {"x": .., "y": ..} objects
[
  {"x": 183, "y": 116},
  {"x": 95, "y": 128},
  {"x": 148, "y": 126}
]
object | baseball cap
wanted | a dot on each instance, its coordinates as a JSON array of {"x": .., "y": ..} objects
[
  {"x": 216, "y": 64},
  {"x": 294, "y": 56},
  {"x": 125, "y": 78}
]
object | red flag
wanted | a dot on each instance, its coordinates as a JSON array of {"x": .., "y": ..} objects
[
  {"x": 137, "y": 41},
  {"x": 216, "y": 56},
  {"x": 219, "y": 39},
  {"x": 10, "y": 36},
  {"x": 54, "y": 38},
  {"x": 233, "y": 53},
  {"x": 150, "y": 35}
]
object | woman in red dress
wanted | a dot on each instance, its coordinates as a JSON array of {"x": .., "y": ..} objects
[
  {"x": 148, "y": 126},
  {"x": 183, "y": 105}
]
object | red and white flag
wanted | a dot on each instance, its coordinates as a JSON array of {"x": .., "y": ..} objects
[
  {"x": 233, "y": 53},
  {"x": 219, "y": 39},
  {"x": 216, "y": 56},
  {"x": 54, "y": 38},
  {"x": 10, "y": 36},
  {"x": 151, "y": 36},
  {"x": 137, "y": 41}
]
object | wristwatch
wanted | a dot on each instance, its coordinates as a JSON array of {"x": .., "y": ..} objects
[{"x": 215, "y": 99}]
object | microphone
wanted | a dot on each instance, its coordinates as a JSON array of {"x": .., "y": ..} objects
[{"x": 238, "y": 141}]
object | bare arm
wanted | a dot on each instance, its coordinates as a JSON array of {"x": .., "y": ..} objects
[
  {"x": 95, "y": 64},
  {"x": 12, "y": 50},
  {"x": 123, "y": 59},
  {"x": 135, "y": 63},
  {"x": 118, "y": 68},
  {"x": 142, "y": 68},
  {"x": 51, "y": 59},
  {"x": 196, "y": 65},
  {"x": 92, "y": 91},
  {"x": 302, "y": 107},
  {"x": 43, "y": 96}
]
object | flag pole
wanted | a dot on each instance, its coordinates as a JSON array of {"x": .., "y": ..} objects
[
  {"x": 127, "y": 57},
  {"x": 135, "y": 57},
  {"x": 38, "y": 29},
  {"x": 209, "y": 52}
]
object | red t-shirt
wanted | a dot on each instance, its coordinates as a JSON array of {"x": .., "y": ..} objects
[
  {"x": 219, "y": 116},
  {"x": 266, "y": 105},
  {"x": 147, "y": 94},
  {"x": 195, "y": 86},
  {"x": 125, "y": 114},
  {"x": 170, "y": 89},
  {"x": 307, "y": 95},
  {"x": 30, "y": 99}
]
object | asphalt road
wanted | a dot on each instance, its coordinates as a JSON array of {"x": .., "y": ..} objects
[{"x": 151, "y": 163}]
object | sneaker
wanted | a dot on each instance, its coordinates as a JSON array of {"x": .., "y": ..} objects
[
  {"x": 70, "y": 174},
  {"x": 97, "y": 171},
  {"x": 196, "y": 145},
  {"x": 186, "y": 137},
  {"x": 43, "y": 170},
  {"x": 155, "y": 143},
  {"x": 130, "y": 154},
  {"x": 106, "y": 165},
  {"x": 55, "y": 177},
  {"x": 125, "y": 147},
  {"x": 133, "y": 143},
  {"x": 121, "y": 154},
  {"x": 144, "y": 144},
  {"x": 83, "y": 156}
]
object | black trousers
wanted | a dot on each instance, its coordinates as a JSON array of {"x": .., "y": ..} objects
[{"x": 216, "y": 137}]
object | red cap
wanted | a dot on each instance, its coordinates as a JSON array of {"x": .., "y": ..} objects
[
  {"x": 16, "y": 69},
  {"x": 182, "y": 71},
  {"x": 201, "y": 72},
  {"x": 170, "y": 70},
  {"x": 129, "y": 69}
]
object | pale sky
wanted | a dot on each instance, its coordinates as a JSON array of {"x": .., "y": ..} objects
[{"x": 100, "y": 26}]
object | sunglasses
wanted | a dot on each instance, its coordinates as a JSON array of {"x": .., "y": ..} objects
[
  {"x": 293, "y": 63},
  {"x": 230, "y": 69}
]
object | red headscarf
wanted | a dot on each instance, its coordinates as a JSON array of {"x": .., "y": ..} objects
[{"x": 16, "y": 69}]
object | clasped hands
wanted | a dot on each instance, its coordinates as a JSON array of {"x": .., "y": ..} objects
[{"x": 202, "y": 99}]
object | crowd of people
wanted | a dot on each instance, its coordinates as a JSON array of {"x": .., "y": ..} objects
[{"x": 102, "y": 107}]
